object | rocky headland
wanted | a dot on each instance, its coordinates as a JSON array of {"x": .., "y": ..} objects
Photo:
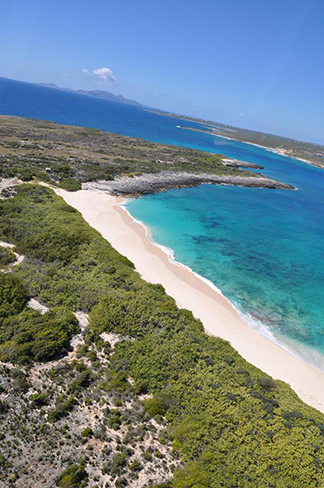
[
  {"x": 70, "y": 156},
  {"x": 153, "y": 183}
]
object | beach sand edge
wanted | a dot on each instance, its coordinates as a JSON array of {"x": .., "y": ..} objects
[{"x": 104, "y": 213}]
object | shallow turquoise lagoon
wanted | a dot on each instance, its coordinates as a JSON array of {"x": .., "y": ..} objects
[{"x": 263, "y": 248}]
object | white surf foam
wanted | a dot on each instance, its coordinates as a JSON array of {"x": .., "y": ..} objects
[{"x": 296, "y": 349}]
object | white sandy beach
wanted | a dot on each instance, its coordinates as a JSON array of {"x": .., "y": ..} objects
[{"x": 219, "y": 317}]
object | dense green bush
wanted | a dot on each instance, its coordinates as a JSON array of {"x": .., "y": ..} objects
[
  {"x": 6, "y": 256},
  {"x": 31, "y": 336},
  {"x": 70, "y": 184},
  {"x": 154, "y": 406},
  {"x": 26, "y": 174},
  {"x": 87, "y": 432},
  {"x": 232, "y": 424},
  {"x": 39, "y": 399},
  {"x": 62, "y": 409},
  {"x": 45, "y": 236},
  {"x": 13, "y": 296},
  {"x": 74, "y": 476},
  {"x": 83, "y": 380}
]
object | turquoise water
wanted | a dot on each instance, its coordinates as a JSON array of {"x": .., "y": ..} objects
[
  {"x": 263, "y": 248},
  {"x": 258, "y": 247}
]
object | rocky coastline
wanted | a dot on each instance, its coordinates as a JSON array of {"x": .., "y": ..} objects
[{"x": 153, "y": 183}]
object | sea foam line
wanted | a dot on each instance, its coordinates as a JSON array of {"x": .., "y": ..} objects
[{"x": 296, "y": 349}]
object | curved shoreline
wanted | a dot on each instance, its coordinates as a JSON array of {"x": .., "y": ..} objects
[
  {"x": 277, "y": 150},
  {"x": 219, "y": 317},
  {"x": 245, "y": 316}
]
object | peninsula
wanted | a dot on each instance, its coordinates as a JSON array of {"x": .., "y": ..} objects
[
  {"x": 72, "y": 156},
  {"x": 107, "y": 375},
  {"x": 307, "y": 152}
]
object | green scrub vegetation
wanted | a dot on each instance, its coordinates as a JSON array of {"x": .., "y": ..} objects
[
  {"x": 7, "y": 256},
  {"x": 232, "y": 425},
  {"x": 13, "y": 296},
  {"x": 68, "y": 156},
  {"x": 30, "y": 336}
]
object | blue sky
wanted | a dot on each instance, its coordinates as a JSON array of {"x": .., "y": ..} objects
[{"x": 257, "y": 64}]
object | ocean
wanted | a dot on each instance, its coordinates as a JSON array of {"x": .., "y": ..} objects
[{"x": 264, "y": 249}]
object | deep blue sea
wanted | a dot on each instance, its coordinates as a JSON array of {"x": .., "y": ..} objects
[{"x": 263, "y": 248}]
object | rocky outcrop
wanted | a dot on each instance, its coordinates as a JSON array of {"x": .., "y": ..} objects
[
  {"x": 235, "y": 163},
  {"x": 152, "y": 183}
]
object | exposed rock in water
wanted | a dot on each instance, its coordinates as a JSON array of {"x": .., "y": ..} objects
[{"x": 235, "y": 163}]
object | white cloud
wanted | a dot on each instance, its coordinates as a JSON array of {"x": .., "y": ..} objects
[
  {"x": 86, "y": 71},
  {"x": 103, "y": 76}
]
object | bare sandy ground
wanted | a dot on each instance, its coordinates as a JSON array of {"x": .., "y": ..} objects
[{"x": 104, "y": 213}]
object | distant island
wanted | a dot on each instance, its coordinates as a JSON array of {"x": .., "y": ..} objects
[
  {"x": 104, "y": 94},
  {"x": 305, "y": 151}
]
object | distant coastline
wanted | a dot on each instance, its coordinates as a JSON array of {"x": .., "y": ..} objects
[
  {"x": 309, "y": 153},
  {"x": 278, "y": 150},
  {"x": 114, "y": 163},
  {"x": 306, "y": 152}
]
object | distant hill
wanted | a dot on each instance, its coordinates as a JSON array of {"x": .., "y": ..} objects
[{"x": 97, "y": 94}]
